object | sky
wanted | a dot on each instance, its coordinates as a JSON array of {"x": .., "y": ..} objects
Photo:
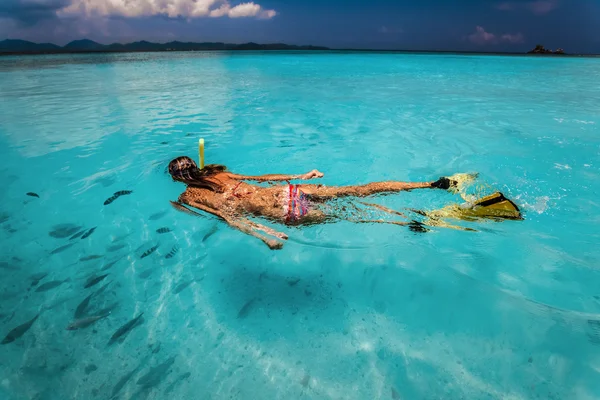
[{"x": 461, "y": 25}]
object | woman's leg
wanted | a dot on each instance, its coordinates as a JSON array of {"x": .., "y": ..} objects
[{"x": 369, "y": 189}]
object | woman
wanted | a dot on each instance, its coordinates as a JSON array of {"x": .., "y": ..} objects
[{"x": 215, "y": 190}]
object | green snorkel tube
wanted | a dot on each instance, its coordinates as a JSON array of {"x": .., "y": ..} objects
[{"x": 201, "y": 153}]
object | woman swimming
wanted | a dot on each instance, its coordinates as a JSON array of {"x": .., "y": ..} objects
[{"x": 227, "y": 195}]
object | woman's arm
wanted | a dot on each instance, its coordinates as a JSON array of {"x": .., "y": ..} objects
[
  {"x": 241, "y": 224},
  {"x": 278, "y": 177}
]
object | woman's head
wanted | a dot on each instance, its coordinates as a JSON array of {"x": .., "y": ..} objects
[{"x": 184, "y": 169}]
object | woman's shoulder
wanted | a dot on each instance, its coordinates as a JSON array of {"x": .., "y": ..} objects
[{"x": 225, "y": 176}]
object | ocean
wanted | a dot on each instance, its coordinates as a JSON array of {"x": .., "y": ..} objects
[{"x": 507, "y": 310}]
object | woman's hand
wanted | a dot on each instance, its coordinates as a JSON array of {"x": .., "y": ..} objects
[
  {"x": 274, "y": 244},
  {"x": 312, "y": 174}
]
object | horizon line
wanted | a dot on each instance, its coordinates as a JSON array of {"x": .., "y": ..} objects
[{"x": 320, "y": 48}]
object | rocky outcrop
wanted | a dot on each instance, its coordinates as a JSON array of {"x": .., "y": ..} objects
[{"x": 539, "y": 49}]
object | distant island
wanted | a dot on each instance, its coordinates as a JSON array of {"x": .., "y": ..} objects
[
  {"x": 12, "y": 46},
  {"x": 539, "y": 49}
]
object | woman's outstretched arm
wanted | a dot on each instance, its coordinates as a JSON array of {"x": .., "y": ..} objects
[
  {"x": 278, "y": 177},
  {"x": 241, "y": 224}
]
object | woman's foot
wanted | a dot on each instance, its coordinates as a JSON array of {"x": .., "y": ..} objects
[
  {"x": 456, "y": 182},
  {"x": 444, "y": 183}
]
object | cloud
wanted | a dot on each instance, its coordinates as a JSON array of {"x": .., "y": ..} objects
[
  {"x": 242, "y": 10},
  {"x": 518, "y": 38},
  {"x": 538, "y": 7},
  {"x": 267, "y": 14},
  {"x": 542, "y": 6},
  {"x": 481, "y": 37},
  {"x": 31, "y": 11}
]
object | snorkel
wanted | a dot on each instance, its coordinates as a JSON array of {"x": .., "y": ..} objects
[{"x": 201, "y": 153}]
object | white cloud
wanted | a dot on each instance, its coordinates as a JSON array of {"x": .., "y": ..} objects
[
  {"x": 268, "y": 14},
  {"x": 169, "y": 8},
  {"x": 244, "y": 10},
  {"x": 219, "y": 12},
  {"x": 482, "y": 37}
]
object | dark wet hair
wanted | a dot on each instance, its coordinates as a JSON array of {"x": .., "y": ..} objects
[{"x": 184, "y": 169}]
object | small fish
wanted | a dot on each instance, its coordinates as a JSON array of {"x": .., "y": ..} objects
[
  {"x": 89, "y": 258},
  {"x": 126, "y": 378},
  {"x": 293, "y": 282},
  {"x": 4, "y": 217},
  {"x": 156, "y": 374},
  {"x": 78, "y": 234},
  {"x": 50, "y": 285},
  {"x": 18, "y": 331},
  {"x": 90, "y": 368},
  {"x": 179, "y": 288},
  {"x": 82, "y": 307},
  {"x": 176, "y": 381},
  {"x": 246, "y": 308},
  {"x": 123, "y": 330},
  {"x": 62, "y": 231},
  {"x": 212, "y": 231},
  {"x": 116, "y": 196},
  {"x": 115, "y": 247},
  {"x": 172, "y": 253},
  {"x": 163, "y": 230},
  {"x": 5, "y": 265},
  {"x": 88, "y": 233},
  {"x": 36, "y": 278},
  {"x": 61, "y": 248},
  {"x": 84, "y": 322},
  {"x": 157, "y": 216},
  {"x": 110, "y": 264},
  {"x": 39, "y": 276},
  {"x": 32, "y": 194},
  {"x": 149, "y": 251},
  {"x": 94, "y": 280}
]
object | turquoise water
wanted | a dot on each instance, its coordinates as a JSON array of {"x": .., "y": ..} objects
[{"x": 343, "y": 311}]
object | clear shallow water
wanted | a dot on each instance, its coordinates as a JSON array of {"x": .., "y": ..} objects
[{"x": 343, "y": 311}]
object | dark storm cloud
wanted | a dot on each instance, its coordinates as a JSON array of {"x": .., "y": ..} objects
[{"x": 31, "y": 11}]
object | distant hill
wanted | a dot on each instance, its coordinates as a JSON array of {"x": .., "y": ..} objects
[
  {"x": 11, "y": 46},
  {"x": 8, "y": 46},
  {"x": 84, "y": 45}
]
